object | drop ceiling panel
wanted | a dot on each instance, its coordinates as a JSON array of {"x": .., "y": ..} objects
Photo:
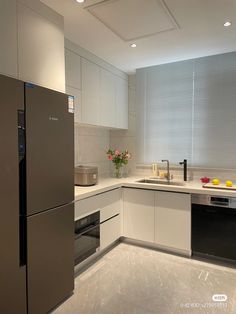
[{"x": 133, "y": 19}]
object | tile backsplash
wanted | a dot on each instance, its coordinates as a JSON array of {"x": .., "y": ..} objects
[{"x": 91, "y": 144}]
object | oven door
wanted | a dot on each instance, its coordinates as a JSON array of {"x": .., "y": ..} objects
[{"x": 87, "y": 242}]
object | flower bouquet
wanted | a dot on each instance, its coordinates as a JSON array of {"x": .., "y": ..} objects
[{"x": 119, "y": 159}]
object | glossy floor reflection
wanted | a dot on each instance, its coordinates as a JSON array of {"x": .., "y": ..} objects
[{"x": 135, "y": 280}]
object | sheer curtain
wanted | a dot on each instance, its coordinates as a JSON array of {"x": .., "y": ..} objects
[{"x": 187, "y": 110}]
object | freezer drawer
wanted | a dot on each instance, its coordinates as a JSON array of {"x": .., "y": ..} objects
[{"x": 50, "y": 268}]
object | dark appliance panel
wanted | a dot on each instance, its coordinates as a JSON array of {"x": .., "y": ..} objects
[
  {"x": 214, "y": 226},
  {"x": 13, "y": 271},
  {"x": 50, "y": 267},
  {"x": 87, "y": 237},
  {"x": 214, "y": 231},
  {"x": 50, "y": 153}
]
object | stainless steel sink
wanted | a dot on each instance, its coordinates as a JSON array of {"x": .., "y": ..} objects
[{"x": 153, "y": 181}]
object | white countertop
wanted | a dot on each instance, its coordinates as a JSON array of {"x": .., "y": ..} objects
[{"x": 106, "y": 184}]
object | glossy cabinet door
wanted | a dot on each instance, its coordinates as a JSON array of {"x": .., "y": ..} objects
[
  {"x": 138, "y": 214},
  {"x": 121, "y": 103},
  {"x": 73, "y": 69},
  {"x": 108, "y": 114},
  {"x": 41, "y": 56},
  {"x": 8, "y": 38},
  {"x": 90, "y": 92},
  {"x": 173, "y": 220},
  {"x": 109, "y": 231}
]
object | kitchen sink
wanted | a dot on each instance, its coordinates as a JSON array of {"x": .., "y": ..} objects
[{"x": 153, "y": 181}]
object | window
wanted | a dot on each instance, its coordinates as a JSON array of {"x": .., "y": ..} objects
[{"x": 187, "y": 110}]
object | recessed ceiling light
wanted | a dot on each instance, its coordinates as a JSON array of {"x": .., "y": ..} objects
[
  {"x": 133, "y": 45},
  {"x": 227, "y": 24},
  {"x": 80, "y": 1}
]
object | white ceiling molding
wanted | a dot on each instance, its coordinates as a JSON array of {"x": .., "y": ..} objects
[{"x": 133, "y": 19}]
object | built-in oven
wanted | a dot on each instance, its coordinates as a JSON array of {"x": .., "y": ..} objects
[
  {"x": 214, "y": 226},
  {"x": 87, "y": 237}
]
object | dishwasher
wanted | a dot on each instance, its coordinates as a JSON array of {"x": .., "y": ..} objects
[{"x": 214, "y": 226}]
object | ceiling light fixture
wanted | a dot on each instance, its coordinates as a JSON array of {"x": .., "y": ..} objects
[
  {"x": 227, "y": 24},
  {"x": 80, "y": 1},
  {"x": 133, "y": 45}
]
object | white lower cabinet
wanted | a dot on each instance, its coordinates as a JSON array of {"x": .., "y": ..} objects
[
  {"x": 173, "y": 220},
  {"x": 138, "y": 214},
  {"x": 109, "y": 231}
]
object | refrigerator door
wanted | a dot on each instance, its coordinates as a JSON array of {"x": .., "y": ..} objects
[
  {"x": 50, "y": 260},
  {"x": 12, "y": 269},
  {"x": 50, "y": 149}
]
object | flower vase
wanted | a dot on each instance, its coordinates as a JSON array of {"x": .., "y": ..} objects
[{"x": 118, "y": 171}]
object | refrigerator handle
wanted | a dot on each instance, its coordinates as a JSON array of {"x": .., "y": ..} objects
[{"x": 22, "y": 186}]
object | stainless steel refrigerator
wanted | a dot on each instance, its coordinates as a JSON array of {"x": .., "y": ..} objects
[{"x": 36, "y": 195}]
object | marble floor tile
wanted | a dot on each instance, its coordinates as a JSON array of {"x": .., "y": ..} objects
[{"x": 135, "y": 280}]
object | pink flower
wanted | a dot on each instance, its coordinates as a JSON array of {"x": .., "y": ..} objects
[
  {"x": 128, "y": 156},
  {"x": 110, "y": 157},
  {"x": 117, "y": 153}
]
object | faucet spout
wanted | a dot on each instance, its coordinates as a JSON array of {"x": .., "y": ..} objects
[
  {"x": 168, "y": 168},
  {"x": 184, "y": 163}
]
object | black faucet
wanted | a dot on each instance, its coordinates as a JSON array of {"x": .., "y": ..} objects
[{"x": 185, "y": 168}]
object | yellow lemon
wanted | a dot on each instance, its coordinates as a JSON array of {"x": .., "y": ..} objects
[
  {"x": 215, "y": 181},
  {"x": 229, "y": 183}
]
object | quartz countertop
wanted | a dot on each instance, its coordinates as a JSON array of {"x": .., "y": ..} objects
[{"x": 107, "y": 184}]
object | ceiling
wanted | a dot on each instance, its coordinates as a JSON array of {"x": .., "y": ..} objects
[{"x": 164, "y": 30}]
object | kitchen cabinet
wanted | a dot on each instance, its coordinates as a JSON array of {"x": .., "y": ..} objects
[
  {"x": 108, "y": 114},
  {"x": 121, "y": 103},
  {"x": 138, "y": 214},
  {"x": 76, "y": 93},
  {"x": 173, "y": 220},
  {"x": 41, "y": 57},
  {"x": 8, "y": 38},
  {"x": 90, "y": 92},
  {"x": 73, "y": 69},
  {"x": 110, "y": 231},
  {"x": 109, "y": 205},
  {"x": 104, "y": 94}
]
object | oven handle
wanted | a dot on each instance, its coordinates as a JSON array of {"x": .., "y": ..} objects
[{"x": 77, "y": 235}]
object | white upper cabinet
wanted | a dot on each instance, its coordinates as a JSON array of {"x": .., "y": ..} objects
[
  {"x": 121, "y": 103},
  {"x": 73, "y": 69},
  {"x": 108, "y": 113},
  {"x": 41, "y": 56},
  {"x": 76, "y": 93},
  {"x": 90, "y": 92},
  {"x": 104, "y": 88},
  {"x": 138, "y": 214},
  {"x": 8, "y": 38},
  {"x": 173, "y": 220}
]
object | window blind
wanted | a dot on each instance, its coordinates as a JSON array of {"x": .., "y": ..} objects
[{"x": 187, "y": 110}]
